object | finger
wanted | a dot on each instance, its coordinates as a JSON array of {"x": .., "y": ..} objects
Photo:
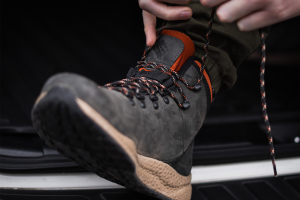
[
  {"x": 212, "y": 3},
  {"x": 176, "y": 1},
  {"x": 164, "y": 11},
  {"x": 256, "y": 20},
  {"x": 149, "y": 28},
  {"x": 236, "y": 9}
]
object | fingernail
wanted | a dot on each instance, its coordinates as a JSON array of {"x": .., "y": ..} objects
[
  {"x": 185, "y": 15},
  {"x": 241, "y": 26}
]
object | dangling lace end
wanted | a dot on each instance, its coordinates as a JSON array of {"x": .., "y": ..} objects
[
  {"x": 263, "y": 99},
  {"x": 274, "y": 167}
]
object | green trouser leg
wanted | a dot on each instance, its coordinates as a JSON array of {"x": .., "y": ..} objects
[{"x": 228, "y": 46}]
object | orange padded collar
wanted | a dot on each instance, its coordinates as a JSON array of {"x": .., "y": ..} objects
[{"x": 188, "y": 51}]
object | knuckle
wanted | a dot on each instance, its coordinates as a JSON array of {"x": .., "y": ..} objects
[
  {"x": 264, "y": 2},
  {"x": 280, "y": 12},
  {"x": 142, "y": 4},
  {"x": 205, "y": 3},
  {"x": 257, "y": 1},
  {"x": 167, "y": 16},
  {"x": 145, "y": 28}
]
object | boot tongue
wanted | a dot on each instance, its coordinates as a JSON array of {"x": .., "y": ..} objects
[{"x": 172, "y": 49}]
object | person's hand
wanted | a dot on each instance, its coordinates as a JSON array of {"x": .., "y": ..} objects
[
  {"x": 159, "y": 8},
  {"x": 254, "y": 14}
]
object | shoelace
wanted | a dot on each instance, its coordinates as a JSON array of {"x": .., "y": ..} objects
[
  {"x": 126, "y": 86},
  {"x": 140, "y": 86},
  {"x": 263, "y": 99}
]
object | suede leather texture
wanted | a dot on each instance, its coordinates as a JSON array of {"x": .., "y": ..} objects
[
  {"x": 164, "y": 133},
  {"x": 165, "y": 51},
  {"x": 183, "y": 164}
]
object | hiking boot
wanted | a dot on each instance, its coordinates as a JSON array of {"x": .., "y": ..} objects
[{"x": 138, "y": 132}]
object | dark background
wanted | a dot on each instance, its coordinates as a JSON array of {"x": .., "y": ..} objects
[
  {"x": 98, "y": 40},
  {"x": 102, "y": 40}
]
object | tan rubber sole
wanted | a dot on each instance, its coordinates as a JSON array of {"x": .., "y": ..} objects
[{"x": 154, "y": 174}]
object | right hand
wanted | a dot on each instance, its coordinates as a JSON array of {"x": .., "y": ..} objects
[
  {"x": 254, "y": 14},
  {"x": 159, "y": 8}
]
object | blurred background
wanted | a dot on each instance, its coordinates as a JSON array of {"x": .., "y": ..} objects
[{"x": 102, "y": 40}]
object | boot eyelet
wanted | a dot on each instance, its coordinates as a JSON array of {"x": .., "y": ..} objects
[
  {"x": 197, "y": 87},
  {"x": 166, "y": 100},
  {"x": 186, "y": 105},
  {"x": 142, "y": 103},
  {"x": 132, "y": 102},
  {"x": 155, "y": 105}
]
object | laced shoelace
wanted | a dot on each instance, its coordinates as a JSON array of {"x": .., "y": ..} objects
[
  {"x": 133, "y": 86},
  {"x": 140, "y": 86}
]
